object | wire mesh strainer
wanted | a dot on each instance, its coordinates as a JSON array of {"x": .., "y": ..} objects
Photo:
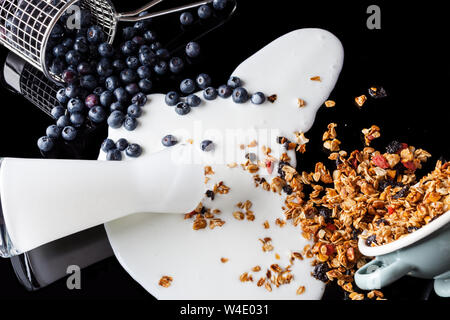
[
  {"x": 31, "y": 83},
  {"x": 25, "y": 25}
]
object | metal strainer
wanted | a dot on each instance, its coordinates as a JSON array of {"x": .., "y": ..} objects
[{"x": 25, "y": 25}]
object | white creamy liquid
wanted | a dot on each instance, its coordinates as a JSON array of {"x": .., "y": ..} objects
[{"x": 150, "y": 246}]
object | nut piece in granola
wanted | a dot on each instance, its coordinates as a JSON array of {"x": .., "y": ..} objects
[
  {"x": 165, "y": 281},
  {"x": 360, "y": 100}
]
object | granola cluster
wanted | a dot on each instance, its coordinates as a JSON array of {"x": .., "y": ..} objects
[{"x": 369, "y": 191}]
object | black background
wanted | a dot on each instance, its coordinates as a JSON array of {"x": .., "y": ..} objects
[{"x": 408, "y": 57}]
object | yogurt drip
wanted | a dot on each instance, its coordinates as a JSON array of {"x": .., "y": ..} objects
[{"x": 150, "y": 246}]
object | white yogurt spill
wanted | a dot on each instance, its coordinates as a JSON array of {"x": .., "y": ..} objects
[{"x": 150, "y": 246}]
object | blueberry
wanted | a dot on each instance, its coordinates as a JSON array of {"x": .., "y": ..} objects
[
  {"x": 134, "y": 111},
  {"x": 129, "y": 48},
  {"x": 115, "y": 119},
  {"x": 57, "y": 112},
  {"x": 187, "y": 86},
  {"x": 45, "y": 143},
  {"x": 240, "y": 95},
  {"x": 53, "y": 131},
  {"x": 210, "y": 93},
  {"x": 203, "y": 80},
  {"x": 145, "y": 49},
  {"x": 107, "y": 145},
  {"x": 81, "y": 47},
  {"x": 112, "y": 83},
  {"x": 130, "y": 123},
  {"x": 128, "y": 33},
  {"x": 128, "y": 76},
  {"x": 207, "y": 145},
  {"x": 172, "y": 98},
  {"x": 104, "y": 68},
  {"x": 91, "y": 100},
  {"x": 193, "y": 100},
  {"x": 133, "y": 150},
  {"x": 89, "y": 82},
  {"x": 68, "y": 43},
  {"x": 105, "y": 50},
  {"x": 57, "y": 66},
  {"x": 114, "y": 155},
  {"x": 155, "y": 46},
  {"x": 186, "y": 18},
  {"x": 121, "y": 144},
  {"x": 145, "y": 85},
  {"x": 85, "y": 18},
  {"x": 139, "y": 99},
  {"x": 97, "y": 114},
  {"x": 132, "y": 62},
  {"x": 63, "y": 121},
  {"x": 132, "y": 88},
  {"x": 60, "y": 51},
  {"x": 162, "y": 53},
  {"x": 121, "y": 94},
  {"x": 150, "y": 36},
  {"x": 84, "y": 68},
  {"x": 106, "y": 98},
  {"x": 144, "y": 72},
  {"x": 147, "y": 58},
  {"x": 77, "y": 119},
  {"x": 176, "y": 64},
  {"x": 234, "y": 82},
  {"x": 204, "y": 12},
  {"x": 192, "y": 49},
  {"x": 182, "y": 108},
  {"x": 95, "y": 34},
  {"x": 57, "y": 31},
  {"x": 119, "y": 65},
  {"x": 75, "y": 105},
  {"x": 98, "y": 91},
  {"x": 138, "y": 40},
  {"x": 69, "y": 76},
  {"x": 258, "y": 98},
  {"x": 219, "y": 4},
  {"x": 140, "y": 26},
  {"x": 224, "y": 91},
  {"x": 81, "y": 39},
  {"x": 169, "y": 141},
  {"x": 161, "y": 67},
  {"x": 61, "y": 96},
  {"x": 69, "y": 133},
  {"x": 116, "y": 106},
  {"x": 73, "y": 57}
]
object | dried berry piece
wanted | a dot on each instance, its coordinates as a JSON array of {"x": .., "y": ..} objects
[
  {"x": 210, "y": 194},
  {"x": 380, "y": 161},
  {"x": 272, "y": 98},
  {"x": 371, "y": 239},
  {"x": 394, "y": 147},
  {"x": 402, "y": 193},
  {"x": 377, "y": 92},
  {"x": 412, "y": 229},
  {"x": 287, "y": 189},
  {"x": 326, "y": 213},
  {"x": 320, "y": 272}
]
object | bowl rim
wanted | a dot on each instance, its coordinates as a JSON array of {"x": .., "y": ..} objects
[{"x": 408, "y": 240}]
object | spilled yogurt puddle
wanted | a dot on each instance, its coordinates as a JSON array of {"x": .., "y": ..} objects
[{"x": 153, "y": 245}]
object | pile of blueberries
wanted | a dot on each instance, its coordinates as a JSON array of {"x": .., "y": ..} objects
[
  {"x": 106, "y": 83},
  {"x": 114, "y": 150},
  {"x": 233, "y": 88}
]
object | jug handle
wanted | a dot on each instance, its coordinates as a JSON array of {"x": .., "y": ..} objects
[{"x": 380, "y": 272}]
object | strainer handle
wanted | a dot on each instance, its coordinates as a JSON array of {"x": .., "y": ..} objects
[{"x": 132, "y": 16}]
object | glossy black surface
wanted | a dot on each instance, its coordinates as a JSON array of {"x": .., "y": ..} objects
[{"x": 408, "y": 57}]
